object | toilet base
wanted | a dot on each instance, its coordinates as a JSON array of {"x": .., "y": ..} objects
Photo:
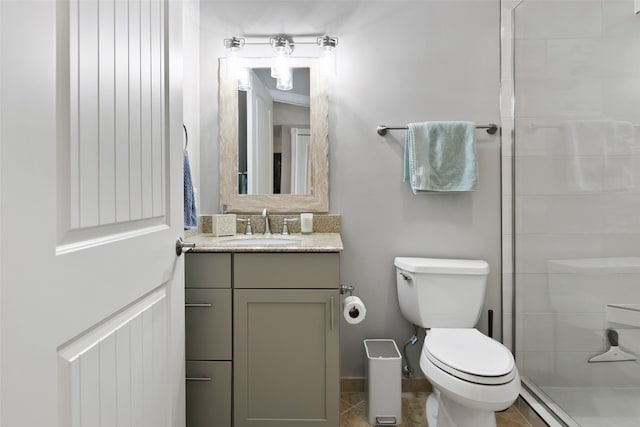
[
  {"x": 444, "y": 412},
  {"x": 431, "y": 410}
]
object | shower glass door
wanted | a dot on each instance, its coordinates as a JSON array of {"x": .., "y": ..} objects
[{"x": 577, "y": 208}]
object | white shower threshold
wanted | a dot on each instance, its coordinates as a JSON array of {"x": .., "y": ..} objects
[
  {"x": 584, "y": 406},
  {"x": 599, "y": 406}
]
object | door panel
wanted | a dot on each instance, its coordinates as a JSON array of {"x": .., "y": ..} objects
[
  {"x": 260, "y": 139},
  {"x": 115, "y": 155},
  {"x": 92, "y": 303}
]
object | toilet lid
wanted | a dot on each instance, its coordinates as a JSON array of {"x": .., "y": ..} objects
[{"x": 469, "y": 355}]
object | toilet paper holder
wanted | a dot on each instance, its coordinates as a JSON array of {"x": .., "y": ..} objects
[{"x": 346, "y": 288}]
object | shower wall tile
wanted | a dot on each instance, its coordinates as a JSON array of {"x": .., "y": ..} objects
[
  {"x": 558, "y": 20},
  {"x": 537, "y": 330},
  {"x": 616, "y": 22},
  {"x": 535, "y": 250},
  {"x": 620, "y": 177},
  {"x": 574, "y": 58},
  {"x": 593, "y": 59},
  {"x": 560, "y": 97},
  {"x": 535, "y": 137},
  {"x": 532, "y": 214},
  {"x": 618, "y": 212},
  {"x": 572, "y": 369},
  {"x": 619, "y": 57},
  {"x": 621, "y": 100},
  {"x": 530, "y": 59},
  {"x": 584, "y": 174},
  {"x": 532, "y": 293},
  {"x": 560, "y": 214},
  {"x": 580, "y": 332},
  {"x": 621, "y": 244},
  {"x": 539, "y": 175},
  {"x": 590, "y": 292},
  {"x": 536, "y": 365},
  {"x": 628, "y": 338},
  {"x": 579, "y": 214}
]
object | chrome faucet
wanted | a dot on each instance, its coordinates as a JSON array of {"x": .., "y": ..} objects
[{"x": 267, "y": 228}]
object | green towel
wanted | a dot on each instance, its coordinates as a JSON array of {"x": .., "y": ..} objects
[{"x": 440, "y": 156}]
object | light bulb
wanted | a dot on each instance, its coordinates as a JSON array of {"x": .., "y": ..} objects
[
  {"x": 244, "y": 79},
  {"x": 280, "y": 67},
  {"x": 285, "y": 80}
]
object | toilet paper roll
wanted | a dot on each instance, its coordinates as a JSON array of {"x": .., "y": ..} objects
[{"x": 354, "y": 310}]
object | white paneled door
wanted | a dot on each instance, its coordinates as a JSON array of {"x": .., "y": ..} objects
[{"x": 91, "y": 288}]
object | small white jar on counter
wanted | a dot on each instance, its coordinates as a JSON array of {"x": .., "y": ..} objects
[{"x": 306, "y": 223}]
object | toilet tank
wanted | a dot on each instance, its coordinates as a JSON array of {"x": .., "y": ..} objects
[{"x": 441, "y": 293}]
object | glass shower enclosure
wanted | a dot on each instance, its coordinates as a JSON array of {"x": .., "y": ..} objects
[{"x": 576, "y": 179}]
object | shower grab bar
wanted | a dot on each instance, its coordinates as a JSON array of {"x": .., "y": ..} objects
[{"x": 491, "y": 128}]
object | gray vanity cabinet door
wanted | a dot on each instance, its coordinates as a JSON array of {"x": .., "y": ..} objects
[
  {"x": 208, "y": 324},
  {"x": 208, "y": 394},
  {"x": 286, "y": 360}
]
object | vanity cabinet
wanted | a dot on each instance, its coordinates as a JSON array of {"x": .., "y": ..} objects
[
  {"x": 264, "y": 327},
  {"x": 208, "y": 339},
  {"x": 286, "y": 340}
]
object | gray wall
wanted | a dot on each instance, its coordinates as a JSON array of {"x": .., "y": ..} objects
[{"x": 397, "y": 62}]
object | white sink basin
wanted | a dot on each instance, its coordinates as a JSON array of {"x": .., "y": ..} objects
[{"x": 261, "y": 241}]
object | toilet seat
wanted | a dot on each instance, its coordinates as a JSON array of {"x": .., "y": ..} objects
[{"x": 469, "y": 355}]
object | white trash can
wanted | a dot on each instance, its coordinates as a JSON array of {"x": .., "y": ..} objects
[{"x": 384, "y": 382}]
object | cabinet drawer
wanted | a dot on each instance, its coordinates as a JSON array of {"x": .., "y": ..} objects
[
  {"x": 207, "y": 270},
  {"x": 208, "y": 324},
  {"x": 286, "y": 270},
  {"x": 208, "y": 394}
]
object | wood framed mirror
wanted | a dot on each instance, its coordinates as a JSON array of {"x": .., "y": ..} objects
[{"x": 249, "y": 181}]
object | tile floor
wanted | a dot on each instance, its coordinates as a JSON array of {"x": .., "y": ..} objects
[{"x": 353, "y": 412}]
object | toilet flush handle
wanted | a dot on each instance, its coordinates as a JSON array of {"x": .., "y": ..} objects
[{"x": 406, "y": 277}]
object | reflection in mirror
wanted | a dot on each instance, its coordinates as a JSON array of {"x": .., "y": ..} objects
[
  {"x": 280, "y": 175},
  {"x": 274, "y": 134}
]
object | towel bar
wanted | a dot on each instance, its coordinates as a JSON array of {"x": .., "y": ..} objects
[{"x": 491, "y": 128}]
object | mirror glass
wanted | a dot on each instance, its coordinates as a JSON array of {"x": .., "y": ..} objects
[
  {"x": 273, "y": 143},
  {"x": 274, "y": 134}
]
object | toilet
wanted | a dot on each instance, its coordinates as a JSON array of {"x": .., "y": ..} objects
[{"x": 472, "y": 375}]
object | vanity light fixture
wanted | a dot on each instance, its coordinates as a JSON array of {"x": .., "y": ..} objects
[
  {"x": 280, "y": 70},
  {"x": 328, "y": 45},
  {"x": 233, "y": 46},
  {"x": 282, "y": 47}
]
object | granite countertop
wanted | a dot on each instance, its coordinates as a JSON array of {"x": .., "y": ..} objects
[{"x": 315, "y": 242}]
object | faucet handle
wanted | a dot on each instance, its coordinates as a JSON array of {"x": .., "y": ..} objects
[
  {"x": 285, "y": 225},
  {"x": 248, "y": 230}
]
